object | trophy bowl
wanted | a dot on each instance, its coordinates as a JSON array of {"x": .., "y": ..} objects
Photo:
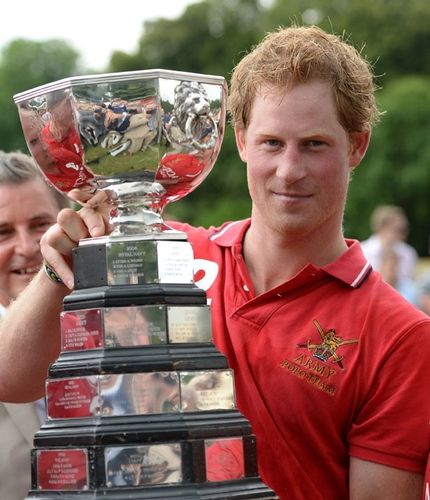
[{"x": 130, "y": 142}]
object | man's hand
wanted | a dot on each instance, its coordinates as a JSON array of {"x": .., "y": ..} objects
[{"x": 91, "y": 221}]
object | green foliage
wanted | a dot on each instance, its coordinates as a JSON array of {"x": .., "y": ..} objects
[
  {"x": 396, "y": 168},
  {"x": 209, "y": 37},
  {"x": 24, "y": 65},
  {"x": 395, "y": 36}
]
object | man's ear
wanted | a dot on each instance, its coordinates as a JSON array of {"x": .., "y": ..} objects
[
  {"x": 240, "y": 134},
  {"x": 359, "y": 144}
]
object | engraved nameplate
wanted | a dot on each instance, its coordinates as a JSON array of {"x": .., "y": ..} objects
[
  {"x": 143, "y": 465},
  {"x": 72, "y": 397},
  {"x": 189, "y": 324},
  {"x": 175, "y": 262},
  {"x": 207, "y": 390},
  {"x": 81, "y": 329},
  {"x": 65, "y": 469}
]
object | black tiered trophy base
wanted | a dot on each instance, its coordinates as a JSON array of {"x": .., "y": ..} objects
[
  {"x": 110, "y": 435},
  {"x": 190, "y": 430},
  {"x": 241, "y": 490}
]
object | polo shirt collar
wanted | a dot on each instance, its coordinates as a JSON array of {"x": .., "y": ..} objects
[{"x": 351, "y": 267}]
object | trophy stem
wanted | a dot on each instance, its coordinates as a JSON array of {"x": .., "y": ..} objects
[{"x": 138, "y": 219}]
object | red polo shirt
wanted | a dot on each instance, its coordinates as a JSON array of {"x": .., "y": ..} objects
[{"x": 331, "y": 364}]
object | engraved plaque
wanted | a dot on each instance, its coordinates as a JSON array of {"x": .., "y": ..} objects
[
  {"x": 207, "y": 390},
  {"x": 132, "y": 262},
  {"x": 135, "y": 326},
  {"x": 143, "y": 465},
  {"x": 175, "y": 262},
  {"x": 72, "y": 397},
  {"x": 224, "y": 459},
  {"x": 148, "y": 262},
  {"x": 189, "y": 324},
  {"x": 65, "y": 469},
  {"x": 81, "y": 330},
  {"x": 140, "y": 393}
]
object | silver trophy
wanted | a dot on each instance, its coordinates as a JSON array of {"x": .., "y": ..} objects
[
  {"x": 132, "y": 141},
  {"x": 139, "y": 397}
]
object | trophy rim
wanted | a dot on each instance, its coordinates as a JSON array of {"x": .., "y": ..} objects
[{"x": 103, "y": 78}]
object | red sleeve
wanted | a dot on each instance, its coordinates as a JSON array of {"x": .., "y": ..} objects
[{"x": 392, "y": 428}]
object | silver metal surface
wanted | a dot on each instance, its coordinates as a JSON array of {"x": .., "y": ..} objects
[
  {"x": 207, "y": 390},
  {"x": 143, "y": 465},
  {"x": 130, "y": 142},
  {"x": 189, "y": 324},
  {"x": 135, "y": 326}
]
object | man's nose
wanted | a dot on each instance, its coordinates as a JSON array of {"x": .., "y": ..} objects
[
  {"x": 291, "y": 167},
  {"x": 26, "y": 243}
]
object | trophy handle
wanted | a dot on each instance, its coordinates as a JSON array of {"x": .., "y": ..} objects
[{"x": 195, "y": 136}]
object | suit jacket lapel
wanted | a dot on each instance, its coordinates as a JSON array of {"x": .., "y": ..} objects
[{"x": 25, "y": 418}]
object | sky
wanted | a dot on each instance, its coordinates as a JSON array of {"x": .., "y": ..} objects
[{"x": 95, "y": 28}]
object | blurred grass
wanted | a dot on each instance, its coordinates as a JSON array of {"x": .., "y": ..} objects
[{"x": 102, "y": 163}]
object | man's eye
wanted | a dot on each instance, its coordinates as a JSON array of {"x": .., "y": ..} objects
[
  {"x": 5, "y": 233},
  {"x": 272, "y": 142},
  {"x": 43, "y": 226},
  {"x": 315, "y": 143}
]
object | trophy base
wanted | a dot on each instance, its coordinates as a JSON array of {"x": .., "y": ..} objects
[
  {"x": 154, "y": 358},
  {"x": 123, "y": 295},
  {"x": 241, "y": 490},
  {"x": 119, "y": 458},
  {"x": 141, "y": 428}
]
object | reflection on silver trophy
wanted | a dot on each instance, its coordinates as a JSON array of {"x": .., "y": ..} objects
[
  {"x": 131, "y": 142},
  {"x": 138, "y": 465}
]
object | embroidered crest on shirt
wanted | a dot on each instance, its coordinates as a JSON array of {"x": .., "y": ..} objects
[
  {"x": 327, "y": 349},
  {"x": 317, "y": 366}
]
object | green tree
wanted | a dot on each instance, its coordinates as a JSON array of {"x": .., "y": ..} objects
[
  {"x": 209, "y": 37},
  {"x": 396, "y": 169},
  {"x": 23, "y": 65},
  {"x": 394, "y": 35}
]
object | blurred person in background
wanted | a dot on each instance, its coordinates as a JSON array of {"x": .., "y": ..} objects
[
  {"x": 390, "y": 227},
  {"x": 390, "y": 268},
  {"x": 28, "y": 206}
]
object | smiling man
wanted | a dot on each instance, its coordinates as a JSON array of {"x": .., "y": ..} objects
[
  {"x": 27, "y": 208},
  {"x": 331, "y": 364}
]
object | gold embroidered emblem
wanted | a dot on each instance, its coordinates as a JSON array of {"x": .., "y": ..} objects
[{"x": 327, "y": 349}]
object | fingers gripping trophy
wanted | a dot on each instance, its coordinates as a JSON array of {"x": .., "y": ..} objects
[{"x": 140, "y": 403}]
